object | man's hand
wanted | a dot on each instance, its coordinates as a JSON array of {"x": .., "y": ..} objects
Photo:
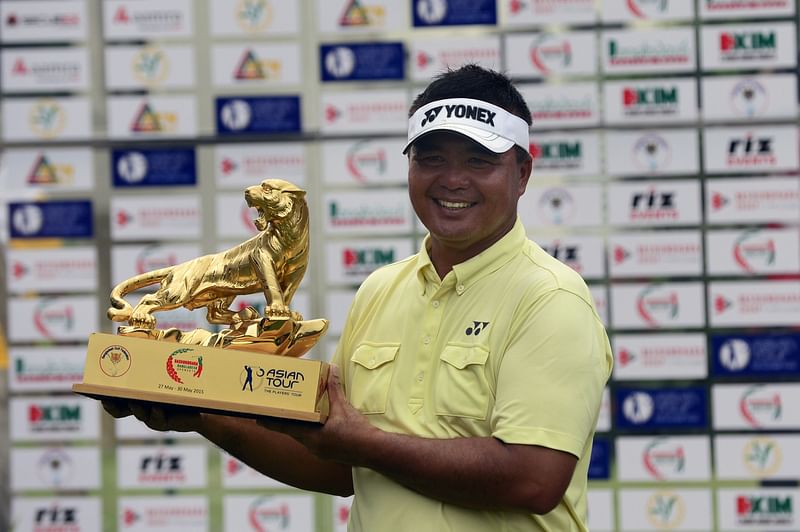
[
  {"x": 156, "y": 416},
  {"x": 338, "y": 438}
]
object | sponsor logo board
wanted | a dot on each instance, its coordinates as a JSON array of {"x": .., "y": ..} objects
[
  {"x": 752, "y": 200},
  {"x": 773, "y": 509},
  {"x": 751, "y": 149},
  {"x": 130, "y": 260},
  {"x": 256, "y": 64},
  {"x": 756, "y": 406},
  {"x": 237, "y": 474},
  {"x": 341, "y": 512},
  {"x": 364, "y": 162},
  {"x": 650, "y": 153},
  {"x": 72, "y": 269},
  {"x": 51, "y": 219},
  {"x": 151, "y": 117},
  {"x": 154, "y": 514},
  {"x": 242, "y": 165},
  {"x": 566, "y": 154},
  {"x": 59, "y": 169},
  {"x": 551, "y": 54},
  {"x": 45, "y": 119},
  {"x": 604, "y": 417},
  {"x": 290, "y": 513},
  {"x": 47, "y": 514},
  {"x": 172, "y": 467},
  {"x": 44, "y": 69},
  {"x": 757, "y": 457},
  {"x": 58, "y": 318},
  {"x": 752, "y": 251},
  {"x": 601, "y": 510},
  {"x": 753, "y": 303},
  {"x": 155, "y": 217},
  {"x": 745, "y": 46},
  {"x": 23, "y": 21},
  {"x": 654, "y": 203},
  {"x": 149, "y": 67},
  {"x": 665, "y": 509},
  {"x": 159, "y": 167},
  {"x": 659, "y": 356},
  {"x": 54, "y": 418},
  {"x": 642, "y": 10},
  {"x": 600, "y": 299},
  {"x": 650, "y": 101},
  {"x": 45, "y": 369},
  {"x": 564, "y": 205},
  {"x": 240, "y": 115},
  {"x": 350, "y": 262},
  {"x": 55, "y": 468},
  {"x": 764, "y": 355},
  {"x": 234, "y": 218},
  {"x": 382, "y": 111},
  {"x": 714, "y": 9},
  {"x": 663, "y": 458},
  {"x": 362, "y": 61},
  {"x": 384, "y": 212},
  {"x": 584, "y": 254},
  {"x": 429, "y": 57},
  {"x": 427, "y": 13},
  {"x": 600, "y": 461},
  {"x": 557, "y": 105},
  {"x": 657, "y": 305},
  {"x": 648, "y": 409},
  {"x": 640, "y": 51},
  {"x": 249, "y": 18},
  {"x": 665, "y": 253},
  {"x": 142, "y": 19},
  {"x": 517, "y": 13},
  {"x": 337, "y": 303},
  {"x": 748, "y": 97},
  {"x": 346, "y": 16}
]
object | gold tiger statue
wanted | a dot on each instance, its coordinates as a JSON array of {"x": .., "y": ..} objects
[{"x": 272, "y": 262}]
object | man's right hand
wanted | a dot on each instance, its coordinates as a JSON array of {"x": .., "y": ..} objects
[{"x": 156, "y": 416}]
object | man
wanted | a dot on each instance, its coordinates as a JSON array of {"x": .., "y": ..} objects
[{"x": 468, "y": 377}]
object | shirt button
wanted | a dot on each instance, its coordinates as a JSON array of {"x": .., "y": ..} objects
[
  {"x": 460, "y": 289},
  {"x": 421, "y": 376},
  {"x": 426, "y": 340},
  {"x": 435, "y": 303}
]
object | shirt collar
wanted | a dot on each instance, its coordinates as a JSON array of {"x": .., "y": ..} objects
[{"x": 471, "y": 271}]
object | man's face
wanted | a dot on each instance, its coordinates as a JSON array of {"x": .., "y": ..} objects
[{"x": 463, "y": 193}]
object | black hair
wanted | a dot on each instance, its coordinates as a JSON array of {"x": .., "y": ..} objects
[{"x": 479, "y": 83}]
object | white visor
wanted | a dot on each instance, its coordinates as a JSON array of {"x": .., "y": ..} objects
[{"x": 490, "y": 126}]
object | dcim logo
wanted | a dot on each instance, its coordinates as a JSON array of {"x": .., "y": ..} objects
[
  {"x": 738, "y": 46},
  {"x": 557, "y": 155},
  {"x": 656, "y": 306},
  {"x": 550, "y": 53},
  {"x": 54, "y": 417},
  {"x": 762, "y": 457},
  {"x": 750, "y": 151},
  {"x": 759, "y": 406},
  {"x": 253, "y": 15},
  {"x": 764, "y": 510},
  {"x": 360, "y": 261},
  {"x": 365, "y": 161},
  {"x": 652, "y": 153},
  {"x": 638, "y": 407},
  {"x": 161, "y": 468},
  {"x": 646, "y": 101},
  {"x": 47, "y": 119},
  {"x": 754, "y": 251},
  {"x": 663, "y": 458},
  {"x": 749, "y": 98},
  {"x": 665, "y": 510},
  {"x": 263, "y": 514}
]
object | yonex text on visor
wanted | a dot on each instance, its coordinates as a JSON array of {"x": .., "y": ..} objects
[{"x": 489, "y": 125}]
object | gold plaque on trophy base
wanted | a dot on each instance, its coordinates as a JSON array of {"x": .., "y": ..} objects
[{"x": 227, "y": 381}]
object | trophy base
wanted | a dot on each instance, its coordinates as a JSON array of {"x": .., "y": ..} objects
[{"x": 225, "y": 381}]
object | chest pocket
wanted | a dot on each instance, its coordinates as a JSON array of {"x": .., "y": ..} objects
[
  {"x": 373, "y": 367},
  {"x": 462, "y": 388}
]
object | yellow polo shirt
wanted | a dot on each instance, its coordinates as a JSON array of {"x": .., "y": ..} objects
[{"x": 508, "y": 345}]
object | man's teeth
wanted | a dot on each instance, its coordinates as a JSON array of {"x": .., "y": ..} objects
[{"x": 453, "y": 204}]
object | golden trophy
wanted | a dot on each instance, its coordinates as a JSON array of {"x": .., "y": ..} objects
[{"x": 249, "y": 368}]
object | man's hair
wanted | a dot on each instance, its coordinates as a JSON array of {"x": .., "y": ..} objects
[{"x": 479, "y": 83}]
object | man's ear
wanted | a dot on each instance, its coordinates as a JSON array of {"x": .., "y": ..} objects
[{"x": 525, "y": 171}]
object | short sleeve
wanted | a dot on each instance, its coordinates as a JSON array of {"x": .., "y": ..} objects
[{"x": 552, "y": 374}]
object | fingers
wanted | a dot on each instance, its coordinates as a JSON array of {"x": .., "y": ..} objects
[
  {"x": 335, "y": 392},
  {"x": 116, "y": 408}
]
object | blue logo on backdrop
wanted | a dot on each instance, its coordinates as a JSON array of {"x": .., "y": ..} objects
[
  {"x": 51, "y": 219},
  {"x": 661, "y": 408},
  {"x": 364, "y": 61},
  {"x": 258, "y": 114},
  {"x": 600, "y": 462},
  {"x": 756, "y": 354},
  {"x": 153, "y": 167},
  {"x": 428, "y": 13}
]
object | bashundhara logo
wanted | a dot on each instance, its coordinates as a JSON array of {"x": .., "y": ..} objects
[
  {"x": 648, "y": 53},
  {"x": 183, "y": 363}
]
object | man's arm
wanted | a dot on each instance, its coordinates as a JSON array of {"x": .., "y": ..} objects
[
  {"x": 276, "y": 455},
  {"x": 480, "y": 472}
]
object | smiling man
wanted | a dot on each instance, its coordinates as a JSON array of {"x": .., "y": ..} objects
[{"x": 467, "y": 381}]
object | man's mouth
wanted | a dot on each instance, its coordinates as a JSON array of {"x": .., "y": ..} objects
[{"x": 453, "y": 205}]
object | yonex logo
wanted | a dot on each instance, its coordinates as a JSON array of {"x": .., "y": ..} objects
[
  {"x": 472, "y": 112},
  {"x": 476, "y": 328},
  {"x": 431, "y": 114}
]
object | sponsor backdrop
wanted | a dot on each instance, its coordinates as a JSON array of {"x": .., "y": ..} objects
[{"x": 665, "y": 140}]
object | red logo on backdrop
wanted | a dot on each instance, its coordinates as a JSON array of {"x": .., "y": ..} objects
[
  {"x": 121, "y": 15},
  {"x": 516, "y": 6},
  {"x": 620, "y": 254},
  {"x": 227, "y": 166},
  {"x": 233, "y": 466},
  {"x": 652, "y": 305},
  {"x": 423, "y": 59},
  {"x": 633, "y": 8},
  {"x": 261, "y": 516},
  {"x": 19, "y": 67},
  {"x": 129, "y": 517},
  {"x": 727, "y": 42},
  {"x": 45, "y": 316},
  {"x": 244, "y": 214},
  {"x": 718, "y": 201},
  {"x": 753, "y": 407},
  {"x": 543, "y": 53},
  {"x": 344, "y": 514},
  {"x": 625, "y": 357},
  {"x": 721, "y": 304},
  {"x": 18, "y": 270},
  {"x": 123, "y": 218},
  {"x": 332, "y": 113}
]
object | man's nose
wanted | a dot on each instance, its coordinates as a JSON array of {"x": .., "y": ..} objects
[{"x": 453, "y": 176}]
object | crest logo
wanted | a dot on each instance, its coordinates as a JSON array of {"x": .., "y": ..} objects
[
  {"x": 47, "y": 119},
  {"x": 663, "y": 459},
  {"x": 54, "y": 467},
  {"x": 254, "y": 15},
  {"x": 749, "y": 98},
  {"x": 656, "y": 306},
  {"x": 115, "y": 361},
  {"x": 150, "y": 65},
  {"x": 665, "y": 510},
  {"x": 762, "y": 457},
  {"x": 548, "y": 54},
  {"x": 652, "y": 153},
  {"x": 757, "y": 407},
  {"x": 557, "y": 206}
]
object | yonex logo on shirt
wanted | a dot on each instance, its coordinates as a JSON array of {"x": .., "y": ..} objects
[
  {"x": 472, "y": 112},
  {"x": 476, "y": 328}
]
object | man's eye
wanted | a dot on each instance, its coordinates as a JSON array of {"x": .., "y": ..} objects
[{"x": 479, "y": 163}]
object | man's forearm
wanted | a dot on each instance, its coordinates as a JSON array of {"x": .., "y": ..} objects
[{"x": 276, "y": 455}]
